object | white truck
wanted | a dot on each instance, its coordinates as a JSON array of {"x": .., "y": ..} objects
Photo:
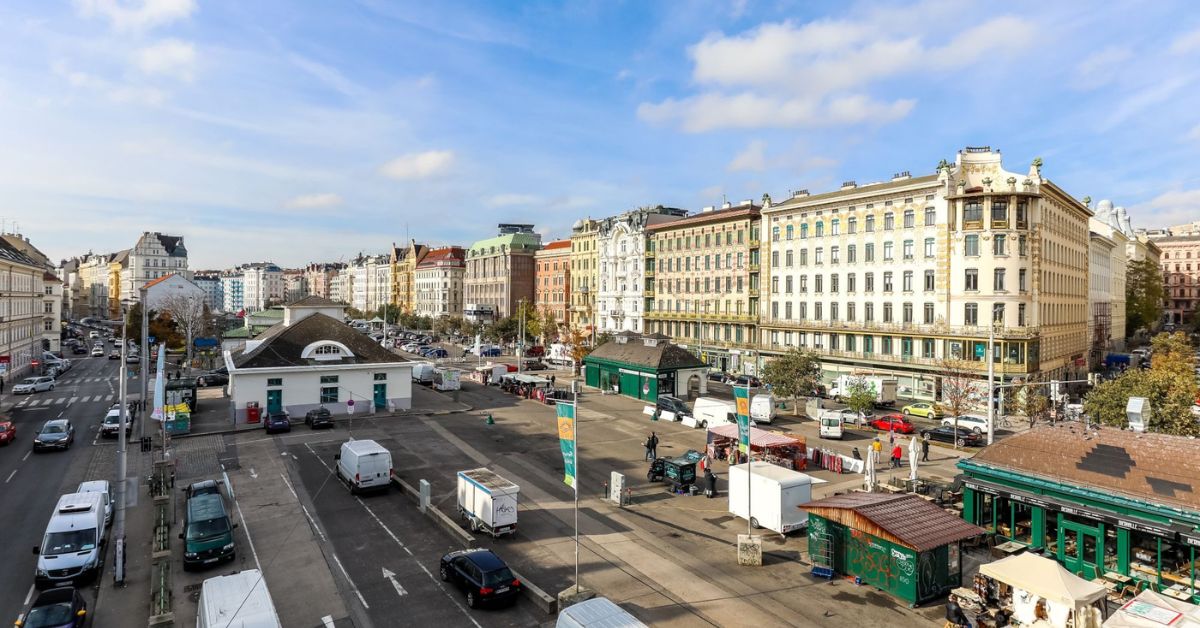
[
  {"x": 487, "y": 502},
  {"x": 775, "y": 496},
  {"x": 238, "y": 599},
  {"x": 559, "y": 354},
  {"x": 422, "y": 372},
  {"x": 446, "y": 379},
  {"x": 884, "y": 388}
]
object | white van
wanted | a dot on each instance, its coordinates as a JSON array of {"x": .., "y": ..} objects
[
  {"x": 598, "y": 612},
  {"x": 831, "y": 424},
  {"x": 239, "y": 599},
  {"x": 709, "y": 412},
  {"x": 101, "y": 487},
  {"x": 762, "y": 408},
  {"x": 70, "y": 551},
  {"x": 422, "y": 372},
  {"x": 364, "y": 465}
]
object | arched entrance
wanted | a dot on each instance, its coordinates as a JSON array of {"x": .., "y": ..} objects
[{"x": 693, "y": 387}]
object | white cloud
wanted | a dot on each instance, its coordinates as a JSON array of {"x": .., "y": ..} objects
[
  {"x": 822, "y": 73},
  {"x": 139, "y": 15},
  {"x": 1170, "y": 208},
  {"x": 1194, "y": 134},
  {"x": 169, "y": 57},
  {"x": 419, "y": 165},
  {"x": 507, "y": 200},
  {"x": 321, "y": 200},
  {"x": 1097, "y": 69},
  {"x": 753, "y": 157},
  {"x": 1187, "y": 42}
]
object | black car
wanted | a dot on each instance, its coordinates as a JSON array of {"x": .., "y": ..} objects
[
  {"x": 482, "y": 575},
  {"x": 945, "y": 433},
  {"x": 212, "y": 379},
  {"x": 278, "y": 422},
  {"x": 558, "y": 394},
  {"x": 675, "y": 405},
  {"x": 63, "y": 607},
  {"x": 79, "y": 349},
  {"x": 746, "y": 381},
  {"x": 318, "y": 417},
  {"x": 55, "y": 434}
]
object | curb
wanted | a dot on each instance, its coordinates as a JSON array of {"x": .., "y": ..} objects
[
  {"x": 239, "y": 430},
  {"x": 544, "y": 601}
]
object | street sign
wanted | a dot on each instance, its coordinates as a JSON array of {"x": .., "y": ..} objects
[{"x": 150, "y": 339}]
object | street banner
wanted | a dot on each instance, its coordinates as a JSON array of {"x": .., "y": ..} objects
[
  {"x": 566, "y": 439},
  {"x": 742, "y": 396}
]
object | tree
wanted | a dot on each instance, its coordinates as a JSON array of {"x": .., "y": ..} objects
[
  {"x": 860, "y": 395},
  {"x": 1031, "y": 400},
  {"x": 577, "y": 343},
  {"x": 187, "y": 312},
  {"x": 1144, "y": 294},
  {"x": 793, "y": 374},
  {"x": 1169, "y": 385},
  {"x": 549, "y": 326},
  {"x": 961, "y": 389}
]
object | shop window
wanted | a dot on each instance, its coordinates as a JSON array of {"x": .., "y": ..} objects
[
  {"x": 1050, "y": 540},
  {"x": 987, "y": 512},
  {"x": 1143, "y": 553},
  {"x": 1176, "y": 559},
  {"x": 1110, "y": 549},
  {"x": 1022, "y": 523}
]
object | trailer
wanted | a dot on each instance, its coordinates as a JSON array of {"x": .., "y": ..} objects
[
  {"x": 775, "y": 495},
  {"x": 883, "y": 387},
  {"x": 487, "y": 502},
  {"x": 446, "y": 379}
]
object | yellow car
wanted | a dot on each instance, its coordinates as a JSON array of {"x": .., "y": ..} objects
[{"x": 924, "y": 410}]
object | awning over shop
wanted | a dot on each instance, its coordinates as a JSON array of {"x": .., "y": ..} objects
[
  {"x": 1044, "y": 578},
  {"x": 1152, "y": 610},
  {"x": 758, "y": 438}
]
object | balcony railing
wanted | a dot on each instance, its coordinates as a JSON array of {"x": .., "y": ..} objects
[
  {"x": 648, "y": 292},
  {"x": 980, "y": 365},
  {"x": 692, "y": 317},
  {"x": 754, "y": 268},
  {"x": 981, "y": 332}
]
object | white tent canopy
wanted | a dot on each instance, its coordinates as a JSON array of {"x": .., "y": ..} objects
[
  {"x": 1152, "y": 610},
  {"x": 1044, "y": 578}
]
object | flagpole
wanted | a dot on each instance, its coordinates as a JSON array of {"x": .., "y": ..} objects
[
  {"x": 749, "y": 471},
  {"x": 575, "y": 403}
]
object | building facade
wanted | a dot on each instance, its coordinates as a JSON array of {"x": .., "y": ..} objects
[
  {"x": 233, "y": 291},
  {"x": 1107, "y": 265},
  {"x": 585, "y": 269},
  {"x": 295, "y": 286},
  {"x": 22, "y": 312},
  {"x": 92, "y": 296},
  {"x": 341, "y": 285},
  {"x": 262, "y": 286},
  {"x": 52, "y": 301},
  {"x": 371, "y": 287},
  {"x": 319, "y": 276},
  {"x": 439, "y": 282},
  {"x": 702, "y": 284},
  {"x": 552, "y": 282},
  {"x": 621, "y": 251},
  {"x": 1180, "y": 265},
  {"x": 404, "y": 262},
  {"x": 153, "y": 256},
  {"x": 500, "y": 272},
  {"x": 210, "y": 282},
  {"x": 893, "y": 278}
]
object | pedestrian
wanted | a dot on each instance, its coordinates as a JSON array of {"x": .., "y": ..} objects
[
  {"x": 652, "y": 446},
  {"x": 925, "y": 449},
  {"x": 551, "y": 380},
  {"x": 877, "y": 449},
  {"x": 1, "y": 385},
  {"x": 897, "y": 453}
]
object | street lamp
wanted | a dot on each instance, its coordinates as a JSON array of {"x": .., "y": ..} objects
[{"x": 122, "y": 439}]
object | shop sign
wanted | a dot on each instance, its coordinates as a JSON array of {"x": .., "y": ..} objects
[
  {"x": 1032, "y": 501},
  {"x": 981, "y": 489},
  {"x": 1145, "y": 527},
  {"x": 629, "y": 372},
  {"x": 1190, "y": 540}
]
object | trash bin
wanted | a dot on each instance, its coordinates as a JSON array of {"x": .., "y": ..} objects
[{"x": 253, "y": 412}]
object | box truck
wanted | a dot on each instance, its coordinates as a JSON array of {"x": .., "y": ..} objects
[
  {"x": 762, "y": 408},
  {"x": 709, "y": 412},
  {"x": 775, "y": 494},
  {"x": 446, "y": 379},
  {"x": 487, "y": 502},
  {"x": 884, "y": 388}
]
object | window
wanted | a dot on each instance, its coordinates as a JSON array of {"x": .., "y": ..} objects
[
  {"x": 868, "y": 344},
  {"x": 787, "y": 285},
  {"x": 788, "y": 257},
  {"x": 887, "y": 281},
  {"x": 1021, "y": 280},
  {"x": 329, "y": 394},
  {"x": 999, "y": 210},
  {"x": 1022, "y": 213},
  {"x": 380, "y": 377},
  {"x": 886, "y": 342},
  {"x": 774, "y": 234},
  {"x": 870, "y": 226},
  {"x": 971, "y": 246},
  {"x": 774, "y": 310},
  {"x": 888, "y": 248},
  {"x": 909, "y": 218},
  {"x": 973, "y": 212},
  {"x": 869, "y": 312},
  {"x": 850, "y": 283},
  {"x": 833, "y": 226},
  {"x": 971, "y": 314},
  {"x": 833, "y": 283},
  {"x": 998, "y": 313},
  {"x": 833, "y": 255},
  {"x": 1022, "y": 246},
  {"x": 998, "y": 280},
  {"x": 820, "y": 228},
  {"x": 275, "y": 381},
  {"x": 869, "y": 282},
  {"x": 927, "y": 348},
  {"x": 850, "y": 311},
  {"x": 850, "y": 250},
  {"x": 803, "y": 283},
  {"x": 804, "y": 257},
  {"x": 887, "y": 312},
  {"x": 929, "y": 248},
  {"x": 775, "y": 259},
  {"x": 928, "y": 318},
  {"x": 908, "y": 281},
  {"x": 972, "y": 280},
  {"x": 852, "y": 225},
  {"x": 929, "y": 281},
  {"x": 817, "y": 255},
  {"x": 908, "y": 249},
  {"x": 930, "y": 216},
  {"x": 329, "y": 379},
  {"x": 889, "y": 221},
  {"x": 817, "y": 311},
  {"x": 869, "y": 252},
  {"x": 775, "y": 284},
  {"x": 817, "y": 281},
  {"x": 998, "y": 247},
  {"x": 1021, "y": 314},
  {"x": 791, "y": 230}
]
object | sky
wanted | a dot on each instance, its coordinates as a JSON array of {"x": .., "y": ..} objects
[{"x": 303, "y": 132}]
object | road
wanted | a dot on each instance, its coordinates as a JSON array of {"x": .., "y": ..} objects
[{"x": 32, "y": 483}]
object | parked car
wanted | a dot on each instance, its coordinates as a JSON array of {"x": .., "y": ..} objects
[
  {"x": 55, "y": 434},
  {"x": 318, "y": 417},
  {"x": 558, "y": 394},
  {"x": 31, "y": 385},
  {"x": 718, "y": 376},
  {"x": 112, "y": 422},
  {"x": 97, "y": 352},
  {"x": 437, "y": 352},
  {"x": 975, "y": 423},
  {"x": 211, "y": 379},
  {"x": 8, "y": 431},
  {"x": 857, "y": 419},
  {"x": 131, "y": 358},
  {"x": 207, "y": 527},
  {"x": 490, "y": 352},
  {"x": 278, "y": 422},
  {"x": 746, "y": 380},
  {"x": 893, "y": 423},
  {"x": 115, "y": 354},
  {"x": 481, "y": 575},
  {"x": 533, "y": 365},
  {"x": 535, "y": 352},
  {"x": 80, "y": 350},
  {"x": 922, "y": 409},
  {"x": 63, "y": 607},
  {"x": 675, "y": 405},
  {"x": 947, "y": 435}
]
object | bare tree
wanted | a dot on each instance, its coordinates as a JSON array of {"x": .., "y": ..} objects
[
  {"x": 187, "y": 312},
  {"x": 960, "y": 390},
  {"x": 1031, "y": 399}
]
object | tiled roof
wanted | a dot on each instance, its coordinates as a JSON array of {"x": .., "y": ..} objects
[
  {"x": 444, "y": 254},
  {"x": 907, "y": 518},
  {"x": 709, "y": 216},
  {"x": 867, "y": 189},
  {"x": 1155, "y": 467},
  {"x": 282, "y": 345},
  {"x": 173, "y": 245},
  {"x": 314, "y": 300},
  {"x": 48, "y": 276},
  {"x": 158, "y": 281},
  {"x": 10, "y": 253},
  {"x": 663, "y": 356},
  {"x": 557, "y": 244}
]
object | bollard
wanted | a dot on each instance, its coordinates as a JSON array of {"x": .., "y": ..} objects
[
  {"x": 423, "y": 502},
  {"x": 490, "y": 420}
]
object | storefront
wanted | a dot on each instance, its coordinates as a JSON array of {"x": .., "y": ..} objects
[
  {"x": 644, "y": 367},
  {"x": 1098, "y": 502}
]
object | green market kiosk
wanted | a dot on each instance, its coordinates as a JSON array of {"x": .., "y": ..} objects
[{"x": 644, "y": 367}]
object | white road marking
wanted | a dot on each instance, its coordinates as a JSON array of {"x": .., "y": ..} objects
[
  {"x": 245, "y": 527},
  {"x": 28, "y": 596},
  {"x": 352, "y": 587},
  {"x": 391, "y": 577},
  {"x": 73, "y": 399},
  {"x": 313, "y": 522},
  {"x": 287, "y": 483},
  {"x": 314, "y": 453},
  {"x": 328, "y": 621},
  {"x": 10, "y": 476},
  {"x": 26, "y": 456}
]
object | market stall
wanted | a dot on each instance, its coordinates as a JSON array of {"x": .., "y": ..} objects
[
  {"x": 789, "y": 452},
  {"x": 527, "y": 386},
  {"x": 1043, "y": 593},
  {"x": 1154, "y": 610}
]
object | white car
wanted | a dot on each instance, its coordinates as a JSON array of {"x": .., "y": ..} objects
[
  {"x": 97, "y": 352},
  {"x": 33, "y": 384},
  {"x": 975, "y": 423}
]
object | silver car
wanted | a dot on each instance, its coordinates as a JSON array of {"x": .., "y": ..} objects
[{"x": 34, "y": 384}]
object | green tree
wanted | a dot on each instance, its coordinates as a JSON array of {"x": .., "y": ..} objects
[
  {"x": 960, "y": 390},
  {"x": 1169, "y": 385},
  {"x": 548, "y": 325},
  {"x": 1030, "y": 399},
  {"x": 860, "y": 395},
  {"x": 1143, "y": 295},
  {"x": 793, "y": 375}
]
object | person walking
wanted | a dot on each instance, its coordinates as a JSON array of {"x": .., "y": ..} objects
[
  {"x": 1, "y": 385},
  {"x": 652, "y": 446},
  {"x": 877, "y": 450},
  {"x": 925, "y": 449},
  {"x": 897, "y": 454},
  {"x": 551, "y": 381}
]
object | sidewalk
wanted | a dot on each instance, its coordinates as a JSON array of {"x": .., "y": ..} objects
[{"x": 128, "y": 605}]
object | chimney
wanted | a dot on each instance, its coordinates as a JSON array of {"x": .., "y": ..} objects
[
  {"x": 849, "y": 185},
  {"x": 746, "y": 203},
  {"x": 800, "y": 193},
  {"x": 726, "y": 205},
  {"x": 901, "y": 176}
]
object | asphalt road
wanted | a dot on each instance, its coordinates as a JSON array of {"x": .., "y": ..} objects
[
  {"x": 385, "y": 531},
  {"x": 32, "y": 483}
]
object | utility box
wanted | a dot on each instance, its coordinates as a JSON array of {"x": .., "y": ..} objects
[
  {"x": 616, "y": 488},
  {"x": 1137, "y": 412}
]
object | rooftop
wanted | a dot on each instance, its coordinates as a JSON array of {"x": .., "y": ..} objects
[
  {"x": 629, "y": 347},
  {"x": 282, "y": 345},
  {"x": 905, "y": 519}
]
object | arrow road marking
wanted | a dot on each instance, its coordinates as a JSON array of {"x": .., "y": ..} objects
[{"x": 391, "y": 577}]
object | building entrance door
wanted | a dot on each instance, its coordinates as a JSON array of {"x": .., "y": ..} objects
[
  {"x": 274, "y": 401},
  {"x": 1081, "y": 549},
  {"x": 381, "y": 401}
]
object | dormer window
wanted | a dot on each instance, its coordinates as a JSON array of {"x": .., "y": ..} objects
[{"x": 326, "y": 350}]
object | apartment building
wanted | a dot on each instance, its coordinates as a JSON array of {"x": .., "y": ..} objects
[
  {"x": 92, "y": 294},
  {"x": 439, "y": 282},
  {"x": 210, "y": 282},
  {"x": 552, "y": 282},
  {"x": 702, "y": 284},
  {"x": 585, "y": 267},
  {"x": 1181, "y": 273},
  {"x": 371, "y": 283},
  {"x": 404, "y": 262},
  {"x": 22, "y": 312},
  {"x": 500, "y": 273},
  {"x": 233, "y": 291},
  {"x": 262, "y": 286},
  {"x": 621, "y": 250},
  {"x": 295, "y": 285},
  {"x": 154, "y": 255},
  {"x": 894, "y": 277},
  {"x": 1107, "y": 265},
  {"x": 341, "y": 286},
  {"x": 319, "y": 276}
]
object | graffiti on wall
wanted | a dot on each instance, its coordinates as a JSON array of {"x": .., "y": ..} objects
[{"x": 885, "y": 567}]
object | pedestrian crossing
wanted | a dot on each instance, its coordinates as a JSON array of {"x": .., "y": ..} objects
[
  {"x": 35, "y": 401},
  {"x": 67, "y": 379}
]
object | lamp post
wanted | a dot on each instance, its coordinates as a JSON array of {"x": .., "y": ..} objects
[
  {"x": 122, "y": 454},
  {"x": 145, "y": 361},
  {"x": 991, "y": 382}
]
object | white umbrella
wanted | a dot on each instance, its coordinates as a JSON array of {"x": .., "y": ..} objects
[
  {"x": 869, "y": 469},
  {"x": 914, "y": 449}
]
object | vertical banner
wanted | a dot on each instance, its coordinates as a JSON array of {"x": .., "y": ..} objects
[
  {"x": 566, "y": 439},
  {"x": 742, "y": 396}
]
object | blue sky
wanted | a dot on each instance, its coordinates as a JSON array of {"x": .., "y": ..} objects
[{"x": 308, "y": 131}]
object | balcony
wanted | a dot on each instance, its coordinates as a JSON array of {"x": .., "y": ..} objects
[
  {"x": 753, "y": 292},
  {"x": 754, "y": 243},
  {"x": 648, "y": 293},
  {"x": 649, "y": 253},
  {"x": 912, "y": 360},
  {"x": 754, "y": 268},
  {"x": 692, "y": 317},
  {"x": 649, "y": 272}
]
